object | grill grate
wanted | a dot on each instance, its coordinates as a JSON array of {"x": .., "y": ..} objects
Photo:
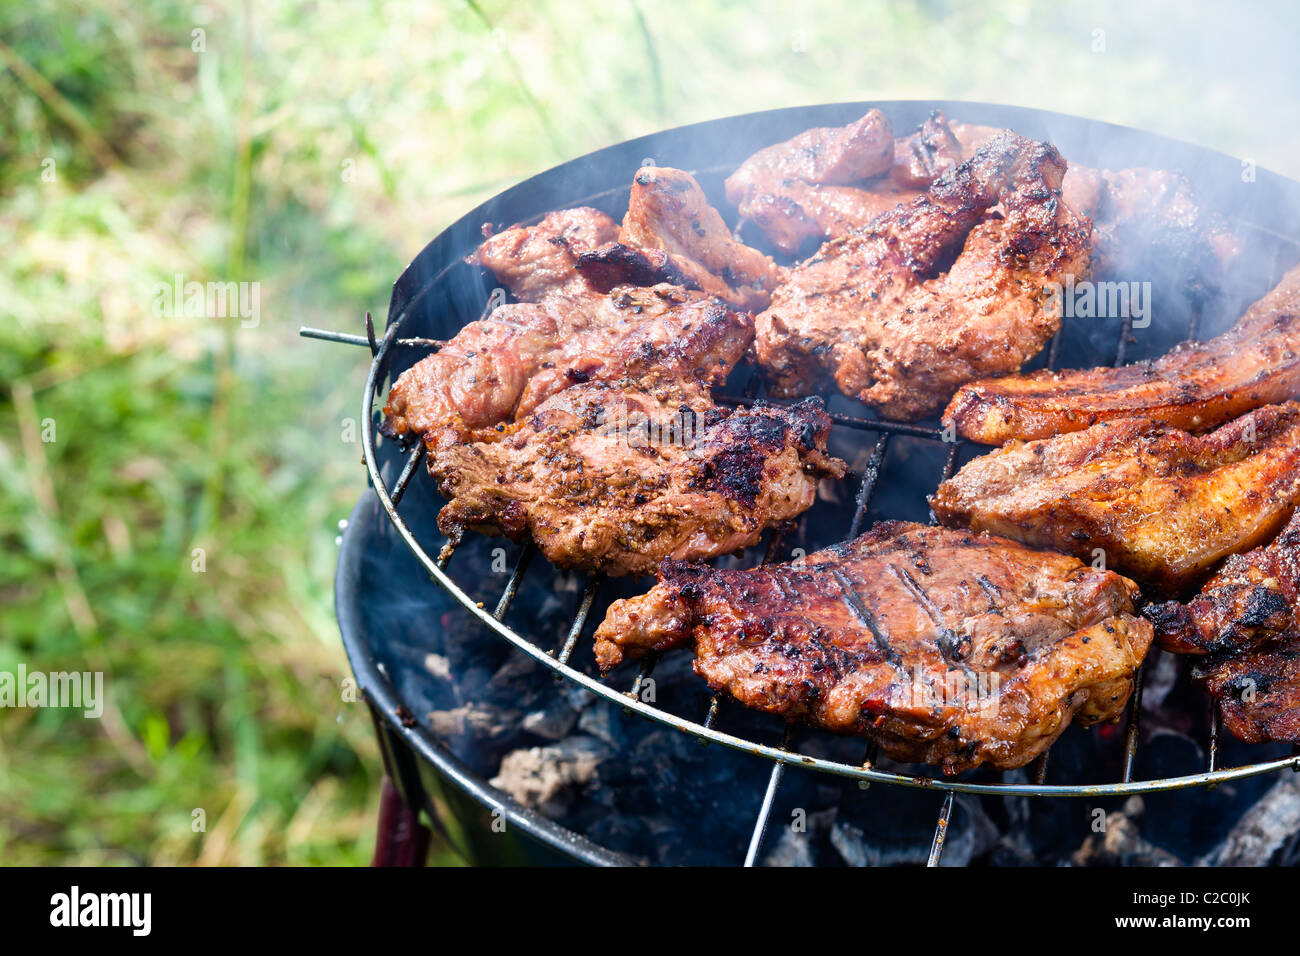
[{"x": 783, "y": 755}]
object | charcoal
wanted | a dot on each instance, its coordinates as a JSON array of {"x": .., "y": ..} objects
[{"x": 1264, "y": 831}]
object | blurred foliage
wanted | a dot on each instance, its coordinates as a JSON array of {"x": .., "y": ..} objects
[{"x": 314, "y": 148}]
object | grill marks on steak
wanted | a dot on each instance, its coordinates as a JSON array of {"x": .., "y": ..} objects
[
  {"x": 881, "y": 313},
  {"x": 871, "y": 637},
  {"x": 617, "y": 476},
  {"x": 1244, "y": 632},
  {"x": 1163, "y": 505},
  {"x": 1195, "y": 386}
]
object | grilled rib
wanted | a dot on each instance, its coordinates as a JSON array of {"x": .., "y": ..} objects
[
  {"x": 617, "y": 476},
  {"x": 886, "y": 636},
  {"x": 1195, "y": 386},
  {"x": 1161, "y": 505},
  {"x": 1258, "y": 692},
  {"x": 878, "y": 313}
]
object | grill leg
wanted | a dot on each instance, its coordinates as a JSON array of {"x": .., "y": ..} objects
[{"x": 402, "y": 839}]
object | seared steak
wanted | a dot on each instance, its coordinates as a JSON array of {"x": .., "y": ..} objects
[
  {"x": 617, "y": 476},
  {"x": 883, "y": 314},
  {"x": 946, "y": 647}
]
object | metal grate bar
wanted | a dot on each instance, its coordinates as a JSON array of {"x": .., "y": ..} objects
[
  {"x": 580, "y": 619},
  {"x": 512, "y": 586},
  {"x": 778, "y": 768},
  {"x": 869, "y": 478},
  {"x": 769, "y": 797},
  {"x": 444, "y": 556},
  {"x": 1054, "y": 350},
  {"x": 869, "y": 762},
  {"x": 941, "y": 831},
  {"x": 645, "y": 670},
  {"x": 711, "y": 717},
  {"x": 1121, "y": 347},
  {"x": 849, "y": 421},
  {"x": 775, "y": 546},
  {"x": 346, "y": 338},
  {"x": 1212, "y": 746},
  {"x": 950, "y": 463},
  {"x": 408, "y": 472},
  {"x": 1134, "y": 718},
  {"x": 1040, "y": 769}
]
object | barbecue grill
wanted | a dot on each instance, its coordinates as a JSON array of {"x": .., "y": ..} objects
[{"x": 438, "y": 293}]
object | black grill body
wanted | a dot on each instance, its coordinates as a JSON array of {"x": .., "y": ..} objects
[{"x": 398, "y": 604}]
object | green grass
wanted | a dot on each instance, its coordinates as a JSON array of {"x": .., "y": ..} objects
[{"x": 314, "y": 148}]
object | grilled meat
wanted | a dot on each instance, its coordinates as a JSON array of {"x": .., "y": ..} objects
[
  {"x": 877, "y": 311},
  {"x": 1144, "y": 215},
  {"x": 1163, "y": 506},
  {"x": 799, "y": 190},
  {"x": 670, "y": 235},
  {"x": 536, "y": 261},
  {"x": 616, "y": 476},
  {"x": 1258, "y": 693},
  {"x": 946, "y": 647},
  {"x": 929, "y": 152},
  {"x": 513, "y": 409},
  {"x": 1195, "y": 386},
  {"x": 1249, "y": 603},
  {"x": 825, "y": 183},
  {"x": 1244, "y": 630},
  {"x": 667, "y": 212},
  {"x": 501, "y": 368},
  {"x": 1150, "y": 214}
]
